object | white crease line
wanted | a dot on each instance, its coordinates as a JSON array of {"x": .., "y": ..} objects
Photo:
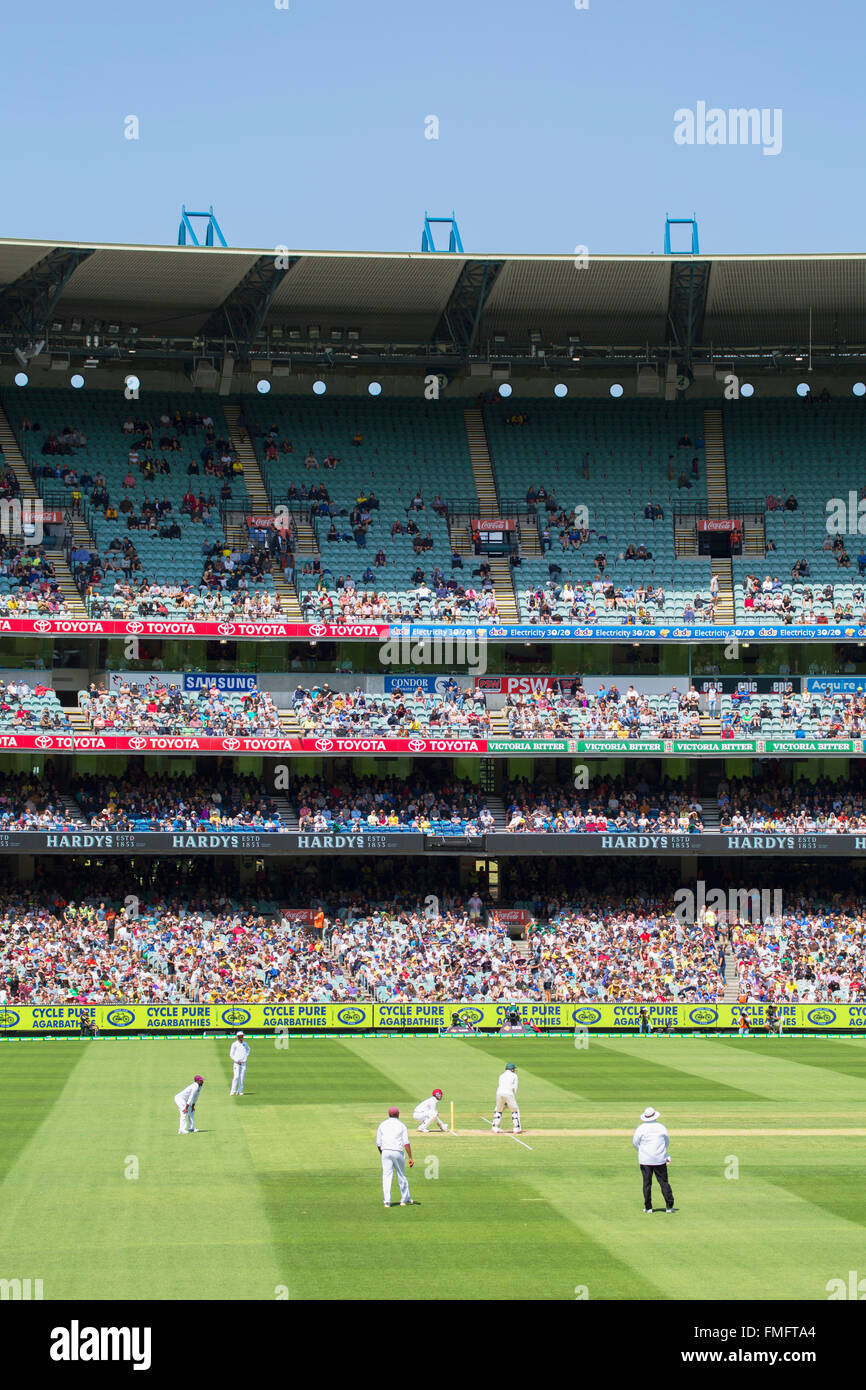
[{"x": 505, "y": 1131}]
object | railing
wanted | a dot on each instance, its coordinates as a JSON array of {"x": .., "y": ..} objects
[
  {"x": 470, "y": 506},
  {"x": 230, "y": 516},
  {"x": 751, "y": 508}
]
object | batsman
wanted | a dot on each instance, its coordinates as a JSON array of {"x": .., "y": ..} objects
[{"x": 506, "y": 1096}]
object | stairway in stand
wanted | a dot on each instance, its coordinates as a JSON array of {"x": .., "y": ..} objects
[
  {"x": 496, "y": 807},
  {"x": 482, "y": 468},
  {"x": 241, "y": 442},
  {"x": 81, "y": 536},
  {"x": 260, "y": 504},
  {"x": 717, "y": 469},
  {"x": 710, "y": 815},
  {"x": 15, "y": 458},
  {"x": 77, "y": 719},
  {"x": 732, "y": 978},
  {"x": 289, "y": 726},
  {"x": 72, "y": 810},
  {"x": 66, "y": 584},
  {"x": 287, "y": 813},
  {"x": 488, "y": 506},
  {"x": 503, "y": 586},
  {"x": 717, "y": 507},
  {"x": 528, "y": 536}
]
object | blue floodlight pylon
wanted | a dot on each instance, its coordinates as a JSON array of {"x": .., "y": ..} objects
[
  {"x": 454, "y": 242},
  {"x": 681, "y": 222},
  {"x": 187, "y": 229}
]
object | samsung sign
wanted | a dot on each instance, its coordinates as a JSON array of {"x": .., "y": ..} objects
[{"x": 202, "y": 680}]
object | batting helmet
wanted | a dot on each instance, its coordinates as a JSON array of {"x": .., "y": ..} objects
[{"x": 438, "y": 1094}]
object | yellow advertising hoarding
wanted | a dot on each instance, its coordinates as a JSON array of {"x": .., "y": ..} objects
[{"x": 200, "y": 1018}]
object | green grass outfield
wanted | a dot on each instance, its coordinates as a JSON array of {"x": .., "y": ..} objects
[{"x": 283, "y": 1187}]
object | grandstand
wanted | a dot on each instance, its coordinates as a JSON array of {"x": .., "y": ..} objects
[
  {"x": 348, "y": 714},
  {"x": 225, "y": 664}
]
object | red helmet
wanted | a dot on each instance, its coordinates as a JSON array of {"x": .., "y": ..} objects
[{"x": 438, "y": 1094}]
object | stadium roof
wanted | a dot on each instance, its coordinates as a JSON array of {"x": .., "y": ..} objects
[{"x": 475, "y": 304}]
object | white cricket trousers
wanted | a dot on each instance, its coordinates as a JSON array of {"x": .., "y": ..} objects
[
  {"x": 238, "y": 1075},
  {"x": 187, "y": 1121},
  {"x": 503, "y": 1101},
  {"x": 394, "y": 1161}
]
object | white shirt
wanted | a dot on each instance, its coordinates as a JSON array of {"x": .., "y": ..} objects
[
  {"x": 392, "y": 1135},
  {"x": 239, "y": 1051},
  {"x": 507, "y": 1084},
  {"x": 651, "y": 1141},
  {"x": 189, "y": 1096},
  {"x": 428, "y": 1108}
]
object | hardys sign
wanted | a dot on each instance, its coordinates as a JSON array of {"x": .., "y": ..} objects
[
  {"x": 609, "y": 843},
  {"x": 183, "y": 842}
]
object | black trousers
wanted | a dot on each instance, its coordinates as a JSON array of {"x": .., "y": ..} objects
[{"x": 661, "y": 1172}]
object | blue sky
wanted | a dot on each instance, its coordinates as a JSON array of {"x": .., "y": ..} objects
[{"x": 306, "y": 126}]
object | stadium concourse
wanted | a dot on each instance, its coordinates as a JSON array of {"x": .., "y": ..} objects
[{"x": 309, "y": 635}]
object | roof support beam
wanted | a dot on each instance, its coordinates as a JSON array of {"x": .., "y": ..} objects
[
  {"x": 687, "y": 302},
  {"x": 242, "y": 315},
  {"x": 461, "y": 316},
  {"x": 27, "y": 304}
]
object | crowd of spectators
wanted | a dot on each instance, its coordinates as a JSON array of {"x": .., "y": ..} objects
[
  {"x": 166, "y": 709},
  {"x": 26, "y": 708},
  {"x": 424, "y": 954},
  {"x": 145, "y": 801},
  {"x": 590, "y": 947},
  {"x": 29, "y": 582},
  {"x": 567, "y": 710},
  {"x": 587, "y": 603},
  {"x": 808, "y": 714},
  {"x": 822, "y": 807},
  {"x": 345, "y": 602},
  {"x": 395, "y": 714},
  {"x": 207, "y": 950},
  {"x": 32, "y": 803},
  {"x": 606, "y": 951},
  {"x": 609, "y": 804},
  {"x": 808, "y": 955},
  {"x": 426, "y": 803}
]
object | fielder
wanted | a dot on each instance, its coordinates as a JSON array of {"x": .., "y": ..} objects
[
  {"x": 506, "y": 1095},
  {"x": 651, "y": 1140},
  {"x": 428, "y": 1111},
  {"x": 392, "y": 1141},
  {"x": 239, "y": 1052},
  {"x": 185, "y": 1102}
]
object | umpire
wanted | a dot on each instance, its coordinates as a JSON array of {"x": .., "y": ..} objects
[{"x": 651, "y": 1141}]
